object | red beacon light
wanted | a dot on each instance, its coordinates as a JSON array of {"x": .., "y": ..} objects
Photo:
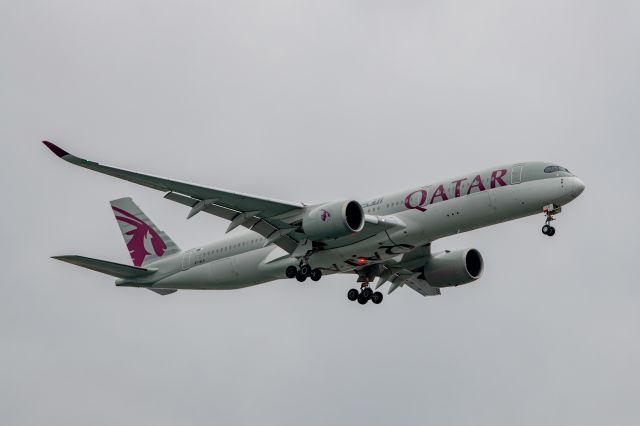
[{"x": 362, "y": 260}]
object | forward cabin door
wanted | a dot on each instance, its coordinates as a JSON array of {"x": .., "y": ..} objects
[{"x": 516, "y": 174}]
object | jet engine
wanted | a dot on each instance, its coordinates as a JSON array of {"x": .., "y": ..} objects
[
  {"x": 333, "y": 220},
  {"x": 453, "y": 268}
]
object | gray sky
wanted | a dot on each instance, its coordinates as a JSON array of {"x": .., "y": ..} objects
[{"x": 310, "y": 101}]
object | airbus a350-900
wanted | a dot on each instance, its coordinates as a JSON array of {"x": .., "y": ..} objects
[{"x": 388, "y": 237}]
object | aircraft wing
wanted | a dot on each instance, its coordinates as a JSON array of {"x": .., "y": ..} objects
[
  {"x": 274, "y": 229},
  {"x": 422, "y": 287},
  {"x": 399, "y": 277},
  {"x": 264, "y": 215},
  {"x": 403, "y": 272}
]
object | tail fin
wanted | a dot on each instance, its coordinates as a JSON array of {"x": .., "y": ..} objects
[{"x": 146, "y": 243}]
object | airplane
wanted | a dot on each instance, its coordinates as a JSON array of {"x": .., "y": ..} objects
[{"x": 387, "y": 237}]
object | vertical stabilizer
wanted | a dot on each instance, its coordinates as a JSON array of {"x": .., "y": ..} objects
[{"x": 146, "y": 243}]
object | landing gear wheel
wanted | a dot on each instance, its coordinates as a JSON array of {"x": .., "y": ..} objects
[
  {"x": 548, "y": 230},
  {"x": 352, "y": 294},
  {"x": 367, "y": 293},
  {"x": 377, "y": 297},
  {"x": 315, "y": 274},
  {"x": 301, "y": 277},
  {"x": 291, "y": 271},
  {"x": 362, "y": 300},
  {"x": 305, "y": 270}
]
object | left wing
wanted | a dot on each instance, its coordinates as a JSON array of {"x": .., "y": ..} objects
[
  {"x": 422, "y": 287},
  {"x": 265, "y": 216},
  {"x": 406, "y": 271},
  {"x": 399, "y": 276}
]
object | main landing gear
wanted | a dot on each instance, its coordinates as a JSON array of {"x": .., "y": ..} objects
[
  {"x": 304, "y": 272},
  {"x": 550, "y": 211},
  {"x": 365, "y": 294}
]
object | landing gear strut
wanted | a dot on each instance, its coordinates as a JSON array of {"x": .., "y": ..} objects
[
  {"x": 549, "y": 212},
  {"x": 365, "y": 294}
]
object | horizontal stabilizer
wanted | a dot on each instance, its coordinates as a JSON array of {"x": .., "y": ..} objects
[
  {"x": 117, "y": 270},
  {"x": 163, "y": 291}
]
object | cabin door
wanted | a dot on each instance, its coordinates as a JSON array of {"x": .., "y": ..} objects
[{"x": 516, "y": 175}]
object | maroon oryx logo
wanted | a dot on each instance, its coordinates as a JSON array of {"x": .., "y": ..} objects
[
  {"x": 143, "y": 238},
  {"x": 324, "y": 215}
]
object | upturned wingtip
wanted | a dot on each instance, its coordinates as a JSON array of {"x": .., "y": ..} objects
[{"x": 55, "y": 149}]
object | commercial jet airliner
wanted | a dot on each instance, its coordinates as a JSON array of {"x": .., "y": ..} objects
[{"x": 388, "y": 237}]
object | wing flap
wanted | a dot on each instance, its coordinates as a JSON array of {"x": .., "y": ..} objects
[
  {"x": 262, "y": 226},
  {"x": 399, "y": 277},
  {"x": 422, "y": 287}
]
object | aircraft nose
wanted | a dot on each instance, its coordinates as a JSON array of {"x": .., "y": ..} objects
[{"x": 578, "y": 187}]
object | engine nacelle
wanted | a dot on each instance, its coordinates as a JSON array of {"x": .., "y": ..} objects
[
  {"x": 452, "y": 268},
  {"x": 334, "y": 220}
]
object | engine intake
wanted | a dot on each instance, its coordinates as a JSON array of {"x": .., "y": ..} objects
[
  {"x": 333, "y": 220},
  {"x": 452, "y": 268}
]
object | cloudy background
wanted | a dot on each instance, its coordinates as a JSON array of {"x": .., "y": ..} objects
[{"x": 310, "y": 101}]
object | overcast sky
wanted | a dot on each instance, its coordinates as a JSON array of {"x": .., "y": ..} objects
[{"x": 311, "y": 101}]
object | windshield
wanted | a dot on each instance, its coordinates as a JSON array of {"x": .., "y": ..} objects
[{"x": 553, "y": 169}]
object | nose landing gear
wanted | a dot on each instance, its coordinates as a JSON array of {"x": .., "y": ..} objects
[
  {"x": 549, "y": 212},
  {"x": 548, "y": 230},
  {"x": 365, "y": 294}
]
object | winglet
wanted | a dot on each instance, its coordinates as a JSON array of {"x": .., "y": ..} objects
[{"x": 55, "y": 149}]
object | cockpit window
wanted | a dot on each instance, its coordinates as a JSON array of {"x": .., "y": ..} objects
[{"x": 553, "y": 169}]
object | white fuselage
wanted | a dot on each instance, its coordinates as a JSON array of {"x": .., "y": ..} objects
[{"x": 424, "y": 214}]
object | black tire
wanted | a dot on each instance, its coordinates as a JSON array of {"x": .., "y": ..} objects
[
  {"x": 545, "y": 229},
  {"x": 316, "y": 274},
  {"x": 552, "y": 231},
  {"x": 377, "y": 298},
  {"x": 367, "y": 293},
  {"x": 301, "y": 277},
  {"x": 305, "y": 270},
  {"x": 291, "y": 271},
  {"x": 352, "y": 294},
  {"x": 362, "y": 300}
]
